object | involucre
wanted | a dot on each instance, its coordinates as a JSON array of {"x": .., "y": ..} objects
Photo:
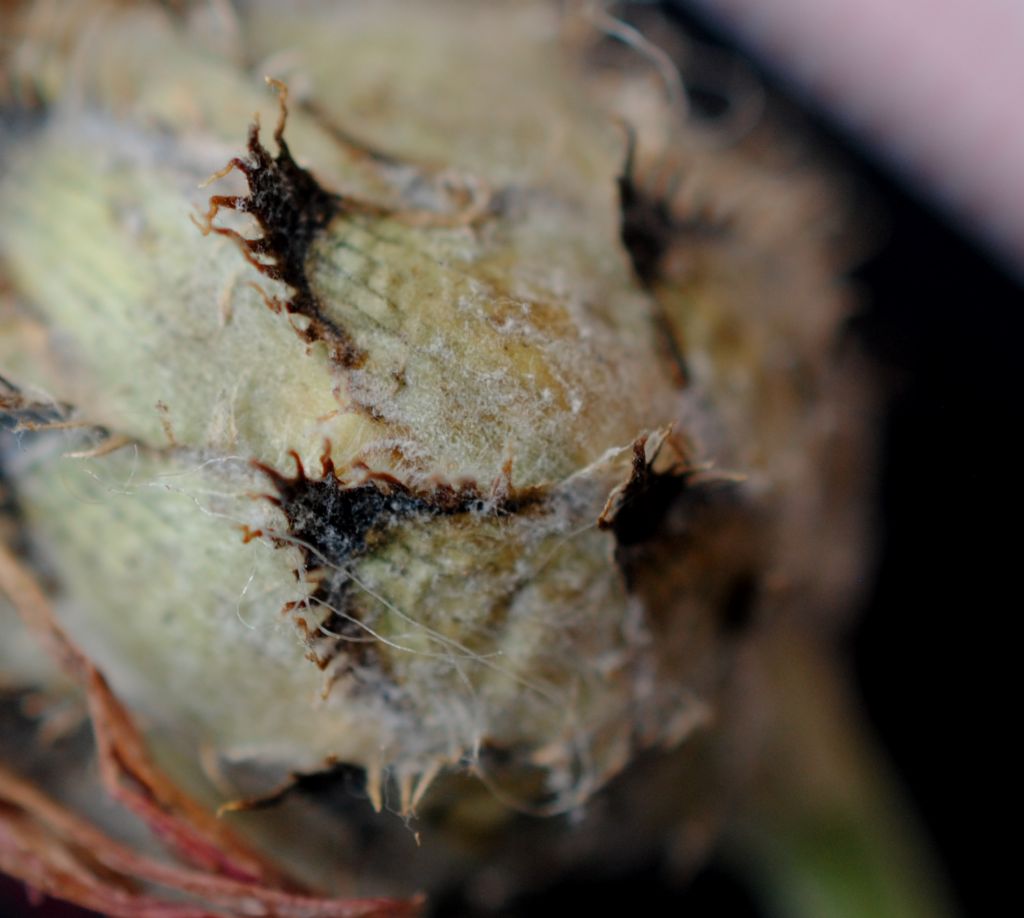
[{"x": 478, "y": 430}]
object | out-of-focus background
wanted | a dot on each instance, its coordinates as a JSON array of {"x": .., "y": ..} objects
[{"x": 931, "y": 87}]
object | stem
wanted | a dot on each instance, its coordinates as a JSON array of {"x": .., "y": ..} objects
[{"x": 827, "y": 829}]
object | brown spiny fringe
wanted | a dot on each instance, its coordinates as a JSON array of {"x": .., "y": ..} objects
[
  {"x": 291, "y": 208},
  {"x": 334, "y": 522}
]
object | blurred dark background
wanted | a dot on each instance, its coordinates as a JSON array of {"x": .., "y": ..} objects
[{"x": 943, "y": 323}]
